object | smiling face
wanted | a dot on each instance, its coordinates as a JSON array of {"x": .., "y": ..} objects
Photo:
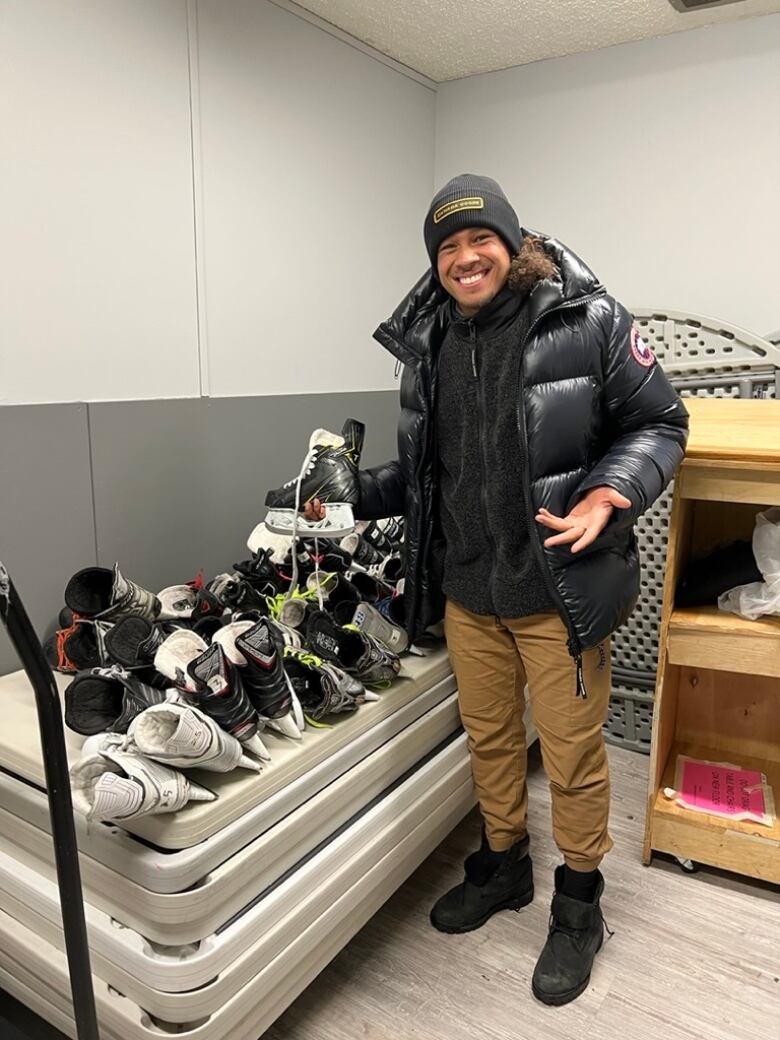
[{"x": 473, "y": 265}]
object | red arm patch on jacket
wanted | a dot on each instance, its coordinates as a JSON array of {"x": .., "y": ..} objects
[{"x": 641, "y": 351}]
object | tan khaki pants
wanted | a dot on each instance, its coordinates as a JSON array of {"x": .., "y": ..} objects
[{"x": 492, "y": 658}]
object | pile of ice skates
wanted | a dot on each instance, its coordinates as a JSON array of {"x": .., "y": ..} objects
[{"x": 193, "y": 677}]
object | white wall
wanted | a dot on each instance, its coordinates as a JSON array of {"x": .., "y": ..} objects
[
  {"x": 658, "y": 162},
  {"x": 317, "y": 168},
  {"x": 312, "y": 166},
  {"x": 97, "y": 273}
]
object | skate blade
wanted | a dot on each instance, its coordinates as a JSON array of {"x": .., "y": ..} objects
[
  {"x": 245, "y": 762},
  {"x": 297, "y": 710},
  {"x": 196, "y": 793},
  {"x": 338, "y": 522},
  {"x": 256, "y": 747},
  {"x": 285, "y": 725}
]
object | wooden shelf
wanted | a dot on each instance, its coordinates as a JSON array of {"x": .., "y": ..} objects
[
  {"x": 733, "y": 430},
  {"x": 706, "y": 637},
  {"x": 748, "y": 848},
  {"x": 721, "y": 622}
]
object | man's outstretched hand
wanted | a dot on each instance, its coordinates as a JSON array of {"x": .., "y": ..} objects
[{"x": 586, "y": 521}]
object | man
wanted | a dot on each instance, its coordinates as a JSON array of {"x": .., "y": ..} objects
[{"x": 536, "y": 426}]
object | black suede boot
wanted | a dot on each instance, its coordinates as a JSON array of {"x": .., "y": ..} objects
[
  {"x": 494, "y": 881},
  {"x": 576, "y": 934}
]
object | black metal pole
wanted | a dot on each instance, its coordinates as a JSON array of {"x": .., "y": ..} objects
[{"x": 55, "y": 763}]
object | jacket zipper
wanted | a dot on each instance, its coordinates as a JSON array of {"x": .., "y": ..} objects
[
  {"x": 573, "y": 645},
  {"x": 424, "y": 375},
  {"x": 404, "y": 356},
  {"x": 484, "y": 459}
]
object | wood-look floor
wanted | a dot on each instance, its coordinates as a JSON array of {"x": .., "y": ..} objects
[{"x": 693, "y": 956}]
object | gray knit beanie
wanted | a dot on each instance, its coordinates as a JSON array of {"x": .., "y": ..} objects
[{"x": 469, "y": 200}]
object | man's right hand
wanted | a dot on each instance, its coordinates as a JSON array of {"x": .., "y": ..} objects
[{"x": 314, "y": 510}]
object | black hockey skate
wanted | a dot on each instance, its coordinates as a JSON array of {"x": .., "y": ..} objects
[{"x": 330, "y": 474}]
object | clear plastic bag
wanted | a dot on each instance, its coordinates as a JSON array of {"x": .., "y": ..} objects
[{"x": 759, "y": 597}]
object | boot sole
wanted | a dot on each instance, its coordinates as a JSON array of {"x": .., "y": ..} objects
[
  {"x": 558, "y": 999},
  {"x": 511, "y": 904}
]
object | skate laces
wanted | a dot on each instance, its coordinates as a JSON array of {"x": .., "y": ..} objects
[
  {"x": 277, "y": 602},
  {"x": 315, "y": 724},
  {"x": 379, "y": 651},
  {"x": 304, "y": 656},
  {"x": 64, "y": 663},
  {"x": 308, "y": 466}
]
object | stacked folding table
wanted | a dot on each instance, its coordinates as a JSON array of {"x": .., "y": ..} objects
[{"x": 207, "y": 923}]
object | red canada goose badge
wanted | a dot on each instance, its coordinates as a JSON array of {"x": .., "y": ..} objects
[{"x": 641, "y": 351}]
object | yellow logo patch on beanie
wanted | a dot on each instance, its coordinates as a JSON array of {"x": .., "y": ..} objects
[{"x": 475, "y": 202}]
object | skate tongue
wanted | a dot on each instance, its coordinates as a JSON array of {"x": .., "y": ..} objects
[
  {"x": 211, "y": 669},
  {"x": 324, "y": 581},
  {"x": 262, "y": 538},
  {"x": 129, "y": 598},
  {"x": 256, "y": 645},
  {"x": 353, "y": 432},
  {"x": 115, "y": 796},
  {"x": 350, "y": 542},
  {"x": 292, "y": 612},
  {"x": 178, "y": 601},
  {"x": 174, "y": 656},
  {"x": 226, "y": 637},
  {"x": 120, "y": 587},
  {"x": 188, "y": 738},
  {"x": 324, "y": 439}
]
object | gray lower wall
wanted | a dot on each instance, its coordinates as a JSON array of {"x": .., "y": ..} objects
[{"x": 163, "y": 487}]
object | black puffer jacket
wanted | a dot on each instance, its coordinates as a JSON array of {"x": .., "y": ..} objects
[{"x": 593, "y": 409}]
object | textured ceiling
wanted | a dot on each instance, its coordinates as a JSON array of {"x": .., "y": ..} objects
[{"x": 449, "y": 39}]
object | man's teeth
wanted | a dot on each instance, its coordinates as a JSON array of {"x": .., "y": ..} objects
[{"x": 470, "y": 279}]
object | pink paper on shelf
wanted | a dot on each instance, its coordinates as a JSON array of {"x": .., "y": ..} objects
[{"x": 723, "y": 790}]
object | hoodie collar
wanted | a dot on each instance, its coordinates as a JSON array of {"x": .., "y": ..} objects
[{"x": 491, "y": 319}]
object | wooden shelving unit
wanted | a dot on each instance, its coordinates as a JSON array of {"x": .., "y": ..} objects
[
  {"x": 709, "y": 638},
  {"x": 718, "y": 686}
]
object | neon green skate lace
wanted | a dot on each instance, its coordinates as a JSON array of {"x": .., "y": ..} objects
[
  {"x": 275, "y": 603},
  {"x": 304, "y": 656}
]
